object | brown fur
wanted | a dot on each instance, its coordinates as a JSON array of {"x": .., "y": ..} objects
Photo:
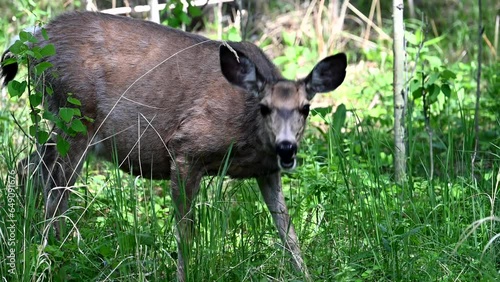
[{"x": 173, "y": 103}]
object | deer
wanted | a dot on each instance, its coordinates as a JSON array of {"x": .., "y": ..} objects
[{"x": 169, "y": 105}]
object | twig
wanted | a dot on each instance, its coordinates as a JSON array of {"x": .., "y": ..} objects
[
  {"x": 478, "y": 87},
  {"x": 381, "y": 32},
  {"x": 369, "y": 25},
  {"x": 428, "y": 128},
  {"x": 16, "y": 122}
]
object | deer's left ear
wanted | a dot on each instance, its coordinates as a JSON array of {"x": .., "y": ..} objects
[{"x": 327, "y": 75}]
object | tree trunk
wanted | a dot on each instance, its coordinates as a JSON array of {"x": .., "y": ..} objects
[{"x": 399, "y": 93}]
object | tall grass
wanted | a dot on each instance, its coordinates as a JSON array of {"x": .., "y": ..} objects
[{"x": 354, "y": 223}]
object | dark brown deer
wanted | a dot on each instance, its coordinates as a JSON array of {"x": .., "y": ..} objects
[{"x": 170, "y": 105}]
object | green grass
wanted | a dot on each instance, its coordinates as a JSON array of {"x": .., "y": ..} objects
[{"x": 353, "y": 222}]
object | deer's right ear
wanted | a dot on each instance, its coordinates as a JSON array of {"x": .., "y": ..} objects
[{"x": 239, "y": 70}]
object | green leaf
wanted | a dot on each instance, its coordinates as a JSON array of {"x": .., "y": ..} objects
[
  {"x": 339, "y": 118},
  {"x": 16, "y": 88},
  {"x": 66, "y": 114},
  {"x": 322, "y": 111},
  {"x": 18, "y": 47},
  {"x": 48, "y": 50},
  {"x": 49, "y": 90},
  {"x": 289, "y": 38},
  {"x": 49, "y": 116},
  {"x": 24, "y": 36},
  {"x": 419, "y": 35},
  {"x": 432, "y": 79},
  {"x": 445, "y": 88},
  {"x": 41, "y": 135},
  {"x": 280, "y": 60},
  {"x": 41, "y": 67},
  {"x": 78, "y": 126},
  {"x": 185, "y": 19},
  {"x": 434, "y": 91},
  {"x": 9, "y": 61},
  {"x": 194, "y": 11},
  {"x": 74, "y": 101},
  {"x": 233, "y": 34},
  {"x": 417, "y": 93},
  {"x": 44, "y": 34},
  {"x": 35, "y": 117},
  {"x": 35, "y": 53},
  {"x": 411, "y": 38},
  {"x": 448, "y": 74},
  {"x": 414, "y": 85},
  {"x": 62, "y": 146},
  {"x": 35, "y": 99},
  {"x": 434, "y": 41},
  {"x": 173, "y": 22}
]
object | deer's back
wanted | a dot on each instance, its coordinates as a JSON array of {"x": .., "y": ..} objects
[{"x": 150, "y": 88}]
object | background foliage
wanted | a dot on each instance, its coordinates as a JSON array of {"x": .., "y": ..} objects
[{"x": 354, "y": 222}]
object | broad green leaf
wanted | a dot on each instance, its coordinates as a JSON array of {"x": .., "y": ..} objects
[
  {"x": 448, "y": 74},
  {"x": 78, "y": 126},
  {"x": 419, "y": 36},
  {"x": 173, "y": 22},
  {"x": 42, "y": 136},
  {"x": 35, "y": 117},
  {"x": 9, "y": 61},
  {"x": 49, "y": 90},
  {"x": 18, "y": 47},
  {"x": 62, "y": 146},
  {"x": 280, "y": 60},
  {"x": 48, "y": 50},
  {"x": 339, "y": 118},
  {"x": 432, "y": 79},
  {"x": 233, "y": 34},
  {"x": 44, "y": 34},
  {"x": 445, "y": 88},
  {"x": 289, "y": 38},
  {"x": 41, "y": 67},
  {"x": 322, "y": 111},
  {"x": 35, "y": 52},
  {"x": 185, "y": 19},
  {"x": 414, "y": 85},
  {"x": 16, "y": 88},
  {"x": 49, "y": 116},
  {"x": 433, "y": 91},
  {"x": 74, "y": 101},
  {"x": 24, "y": 36},
  {"x": 417, "y": 93},
  {"x": 178, "y": 9},
  {"x": 66, "y": 114},
  {"x": 35, "y": 99},
  {"x": 194, "y": 11},
  {"x": 434, "y": 41}
]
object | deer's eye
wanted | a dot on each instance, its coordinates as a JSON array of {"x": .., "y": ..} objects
[
  {"x": 305, "y": 110},
  {"x": 265, "y": 110}
]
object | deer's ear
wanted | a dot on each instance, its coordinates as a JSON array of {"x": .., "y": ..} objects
[
  {"x": 239, "y": 70},
  {"x": 327, "y": 75}
]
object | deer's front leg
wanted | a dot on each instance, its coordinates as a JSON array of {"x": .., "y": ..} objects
[
  {"x": 270, "y": 187},
  {"x": 185, "y": 182}
]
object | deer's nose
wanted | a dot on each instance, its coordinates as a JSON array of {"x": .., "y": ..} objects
[{"x": 286, "y": 151}]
